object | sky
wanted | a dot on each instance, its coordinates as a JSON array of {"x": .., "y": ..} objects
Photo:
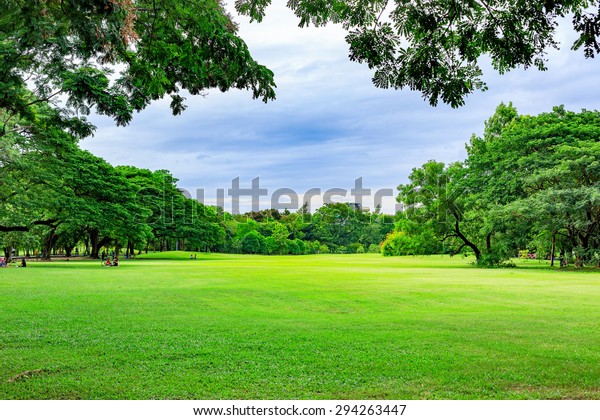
[{"x": 329, "y": 126}]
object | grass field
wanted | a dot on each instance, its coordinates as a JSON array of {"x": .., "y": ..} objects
[{"x": 321, "y": 326}]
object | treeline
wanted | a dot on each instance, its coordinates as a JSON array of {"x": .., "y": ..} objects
[
  {"x": 93, "y": 206},
  {"x": 338, "y": 228},
  {"x": 58, "y": 198},
  {"x": 530, "y": 185}
]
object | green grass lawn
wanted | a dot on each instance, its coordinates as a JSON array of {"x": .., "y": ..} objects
[{"x": 296, "y": 327}]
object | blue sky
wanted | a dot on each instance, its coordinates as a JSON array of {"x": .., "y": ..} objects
[{"x": 329, "y": 124}]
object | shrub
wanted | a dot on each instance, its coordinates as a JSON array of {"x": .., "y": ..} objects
[
  {"x": 374, "y": 248},
  {"x": 253, "y": 243},
  {"x": 324, "y": 249}
]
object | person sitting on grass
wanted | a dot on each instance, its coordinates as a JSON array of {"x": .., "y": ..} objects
[
  {"x": 23, "y": 263},
  {"x": 115, "y": 262},
  {"x": 3, "y": 262},
  {"x": 107, "y": 263}
]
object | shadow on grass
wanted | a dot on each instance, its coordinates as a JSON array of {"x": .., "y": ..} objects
[{"x": 542, "y": 265}]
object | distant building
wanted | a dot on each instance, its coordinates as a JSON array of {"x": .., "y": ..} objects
[{"x": 355, "y": 206}]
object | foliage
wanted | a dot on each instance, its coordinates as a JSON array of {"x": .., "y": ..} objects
[
  {"x": 436, "y": 205},
  {"x": 61, "y": 60},
  {"x": 335, "y": 227},
  {"x": 410, "y": 238},
  {"x": 253, "y": 243},
  {"x": 434, "y": 46},
  {"x": 67, "y": 53},
  {"x": 527, "y": 180},
  {"x": 373, "y": 249}
]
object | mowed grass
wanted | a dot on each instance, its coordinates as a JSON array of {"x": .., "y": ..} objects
[{"x": 298, "y": 327}]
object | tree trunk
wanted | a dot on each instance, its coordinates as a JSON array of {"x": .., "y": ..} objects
[
  {"x": 468, "y": 243},
  {"x": 94, "y": 243},
  {"x": 69, "y": 251},
  {"x": 97, "y": 243},
  {"x": 48, "y": 242},
  {"x": 104, "y": 242},
  {"x": 552, "y": 248},
  {"x": 130, "y": 249},
  {"x": 477, "y": 252}
]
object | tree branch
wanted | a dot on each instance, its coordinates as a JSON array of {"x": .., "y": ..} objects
[
  {"x": 45, "y": 99},
  {"x": 50, "y": 222},
  {"x": 450, "y": 235}
]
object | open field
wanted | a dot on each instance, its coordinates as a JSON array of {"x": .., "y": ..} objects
[{"x": 294, "y": 327}]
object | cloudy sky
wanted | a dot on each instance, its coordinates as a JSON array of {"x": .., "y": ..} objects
[{"x": 329, "y": 125}]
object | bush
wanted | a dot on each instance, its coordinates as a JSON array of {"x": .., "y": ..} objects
[
  {"x": 404, "y": 243},
  {"x": 493, "y": 259},
  {"x": 374, "y": 249},
  {"x": 292, "y": 247},
  {"x": 397, "y": 243},
  {"x": 253, "y": 243},
  {"x": 324, "y": 249},
  {"x": 312, "y": 247},
  {"x": 301, "y": 247}
]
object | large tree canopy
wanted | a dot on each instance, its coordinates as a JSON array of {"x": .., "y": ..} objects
[
  {"x": 117, "y": 56},
  {"x": 433, "y": 46},
  {"x": 530, "y": 182}
]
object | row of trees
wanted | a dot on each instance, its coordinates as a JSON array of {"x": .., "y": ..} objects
[
  {"x": 333, "y": 228},
  {"x": 529, "y": 183},
  {"x": 56, "y": 195}
]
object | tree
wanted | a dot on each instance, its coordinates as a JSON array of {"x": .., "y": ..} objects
[
  {"x": 336, "y": 224},
  {"x": 57, "y": 189},
  {"x": 69, "y": 50},
  {"x": 433, "y": 46},
  {"x": 280, "y": 237},
  {"x": 253, "y": 243},
  {"x": 175, "y": 222},
  {"x": 435, "y": 198},
  {"x": 58, "y": 61},
  {"x": 30, "y": 167},
  {"x": 527, "y": 179},
  {"x": 556, "y": 193}
]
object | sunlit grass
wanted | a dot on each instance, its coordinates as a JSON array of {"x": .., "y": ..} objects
[{"x": 321, "y": 326}]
